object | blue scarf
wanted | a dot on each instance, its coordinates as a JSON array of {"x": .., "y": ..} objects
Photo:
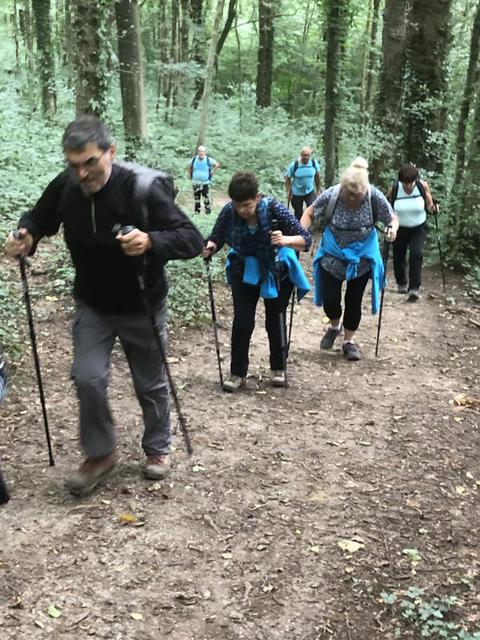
[
  {"x": 351, "y": 254},
  {"x": 253, "y": 274}
]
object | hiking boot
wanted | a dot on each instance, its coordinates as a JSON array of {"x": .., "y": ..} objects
[
  {"x": 279, "y": 379},
  {"x": 413, "y": 295},
  {"x": 89, "y": 474},
  {"x": 233, "y": 383},
  {"x": 351, "y": 351},
  {"x": 402, "y": 288},
  {"x": 157, "y": 466},
  {"x": 329, "y": 338}
]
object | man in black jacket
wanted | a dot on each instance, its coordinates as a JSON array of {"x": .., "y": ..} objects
[{"x": 90, "y": 198}]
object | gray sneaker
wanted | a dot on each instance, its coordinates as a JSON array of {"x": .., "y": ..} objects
[
  {"x": 402, "y": 288},
  {"x": 89, "y": 474},
  {"x": 413, "y": 295},
  {"x": 351, "y": 351},
  {"x": 157, "y": 466},
  {"x": 329, "y": 338},
  {"x": 279, "y": 379},
  {"x": 233, "y": 383}
]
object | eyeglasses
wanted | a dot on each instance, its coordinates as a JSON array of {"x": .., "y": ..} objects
[{"x": 87, "y": 164}]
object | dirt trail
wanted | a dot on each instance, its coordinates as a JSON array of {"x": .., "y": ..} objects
[{"x": 242, "y": 541}]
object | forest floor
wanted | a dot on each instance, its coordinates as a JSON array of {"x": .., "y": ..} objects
[{"x": 303, "y": 512}]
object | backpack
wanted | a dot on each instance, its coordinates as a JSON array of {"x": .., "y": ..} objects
[
  {"x": 332, "y": 203},
  {"x": 144, "y": 178},
  {"x": 418, "y": 183},
  {"x": 209, "y": 165},
  {"x": 314, "y": 165}
]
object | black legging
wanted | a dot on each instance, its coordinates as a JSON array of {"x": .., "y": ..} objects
[
  {"x": 413, "y": 238},
  {"x": 332, "y": 298},
  {"x": 245, "y": 298}
]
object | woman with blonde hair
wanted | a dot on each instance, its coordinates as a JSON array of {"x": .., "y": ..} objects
[{"x": 349, "y": 251}]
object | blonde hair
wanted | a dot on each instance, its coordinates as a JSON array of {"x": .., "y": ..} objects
[{"x": 355, "y": 178}]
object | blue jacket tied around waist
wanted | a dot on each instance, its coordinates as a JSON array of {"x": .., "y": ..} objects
[
  {"x": 254, "y": 275},
  {"x": 351, "y": 254}
]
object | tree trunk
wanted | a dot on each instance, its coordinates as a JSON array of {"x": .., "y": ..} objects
[
  {"x": 45, "y": 58},
  {"x": 163, "y": 75},
  {"x": 468, "y": 93},
  {"x": 372, "y": 57},
  {"x": 335, "y": 36},
  {"x": 265, "y": 53},
  {"x": 91, "y": 84},
  {"x": 26, "y": 29},
  {"x": 209, "y": 72},
  {"x": 131, "y": 73},
  {"x": 390, "y": 91},
  {"x": 199, "y": 45},
  {"x": 184, "y": 31},
  {"x": 424, "y": 112}
]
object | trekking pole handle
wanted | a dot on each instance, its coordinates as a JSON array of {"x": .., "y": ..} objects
[{"x": 117, "y": 228}]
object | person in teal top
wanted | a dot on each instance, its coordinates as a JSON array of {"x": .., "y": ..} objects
[
  {"x": 201, "y": 170},
  {"x": 302, "y": 181},
  {"x": 410, "y": 198}
]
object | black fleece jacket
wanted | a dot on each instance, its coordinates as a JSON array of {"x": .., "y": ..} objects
[{"x": 105, "y": 278}]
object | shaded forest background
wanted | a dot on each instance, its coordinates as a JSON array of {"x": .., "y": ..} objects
[{"x": 395, "y": 80}]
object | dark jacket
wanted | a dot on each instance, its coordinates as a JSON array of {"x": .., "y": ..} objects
[{"x": 105, "y": 278}]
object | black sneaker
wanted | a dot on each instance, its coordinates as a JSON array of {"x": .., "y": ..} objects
[
  {"x": 329, "y": 338},
  {"x": 413, "y": 295},
  {"x": 351, "y": 351}
]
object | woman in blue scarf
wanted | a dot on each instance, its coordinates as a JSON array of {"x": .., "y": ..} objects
[
  {"x": 349, "y": 251},
  {"x": 259, "y": 257}
]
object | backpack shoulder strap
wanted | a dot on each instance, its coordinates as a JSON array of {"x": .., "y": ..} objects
[
  {"x": 421, "y": 188},
  {"x": 373, "y": 203},
  {"x": 332, "y": 203},
  {"x": 295, "y": 167}
]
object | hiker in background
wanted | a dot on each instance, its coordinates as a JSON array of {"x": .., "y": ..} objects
[
  {"x": 410, "y": 198},
  {"x": 201, "y": 170},
  {"x": 302, "y": 181},
  {"x": 90, "y": 198},
  {"x": 245, "y": 224},
  {"x": 349, "y": 250}
]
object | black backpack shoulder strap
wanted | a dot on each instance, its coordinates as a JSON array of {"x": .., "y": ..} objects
[
  {"x": 394, "y": 193},
  {"x": 374, "y": 204},
  {"x": 295, "y": 167},
  {"x": 332, "y": 203},
  {"x": 421, "y": 188}
]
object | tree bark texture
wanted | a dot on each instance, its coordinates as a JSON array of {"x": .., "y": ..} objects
[
  {"x": 428, "y": 38},
  {"x": 91, "y": 80},
  {"x": 199, "y": 44},
  {"x": 45, "y": 55},
  {"x": 131, "y": 72},
  {"x": 265, "y": 53},
  {"x": 335, "y": 35}
]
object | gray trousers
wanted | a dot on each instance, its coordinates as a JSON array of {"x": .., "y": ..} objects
[{"x": 94, "y": 335}]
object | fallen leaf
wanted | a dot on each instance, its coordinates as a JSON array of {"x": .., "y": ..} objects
[
  {"x": 460, "y": 490},
  {"x": 127, "y": 517},
  {"x": 136, "y": 616},
  {"x": 53, "y": 612},
  {"x": 350, "y": 546}
]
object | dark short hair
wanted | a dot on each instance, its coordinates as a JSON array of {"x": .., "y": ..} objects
[
  {"x": 408, "y": 173},
  {"x": 243, "y": 186},
  {"x": 83, "y": 130}
]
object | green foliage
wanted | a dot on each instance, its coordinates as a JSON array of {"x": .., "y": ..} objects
[{"x": 431, "y": 615}]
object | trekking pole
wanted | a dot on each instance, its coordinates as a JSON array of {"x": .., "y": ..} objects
[
  {"x": 214, "y": 318},
  {"x": 292, "y": 305},
  {"x": 4, "y": 495},
  {"x": 173, "y": 390},
  {"x": 440, "y": 253},
  {"x": 33, "y": 339},
  {"x": 386, "y": 251},
  {"x": 281, "y": 316}
]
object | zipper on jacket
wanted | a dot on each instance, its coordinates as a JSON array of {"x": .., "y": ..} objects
[{"x": 92, "y": 216}]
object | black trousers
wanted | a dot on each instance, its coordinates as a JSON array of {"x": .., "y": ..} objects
[
  {"x": 199, "y": 191},
  {"x": 297, "y": 203},
  {"x": 245, "y": 298},
  {"x": 332, "y": 298},
  {"x": 412, "y": 238}
]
